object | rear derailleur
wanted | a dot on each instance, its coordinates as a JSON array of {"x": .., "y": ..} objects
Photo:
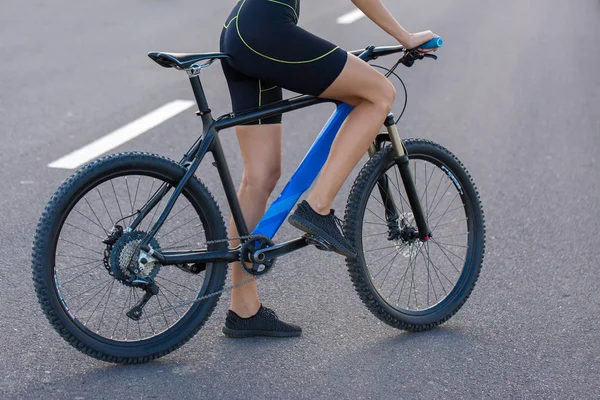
[{"x": 150, "y": 287}]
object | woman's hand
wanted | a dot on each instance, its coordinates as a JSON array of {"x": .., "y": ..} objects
[
  {"x": 376, "y": 11},
  {"x": 414, "y": 40}
]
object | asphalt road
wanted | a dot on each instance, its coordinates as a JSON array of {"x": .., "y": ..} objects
[{"x": 515, "y": 94}]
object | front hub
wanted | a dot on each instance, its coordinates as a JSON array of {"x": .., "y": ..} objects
[{"x": 409, "y": 235}]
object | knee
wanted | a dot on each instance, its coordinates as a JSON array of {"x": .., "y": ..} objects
[
  {"x": 387, "y": 95},
  {"x": 261, "y": 181},
  {"x": 383, "y": 95}
]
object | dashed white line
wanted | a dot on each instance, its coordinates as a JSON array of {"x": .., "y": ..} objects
[
  {"x": 350, "y": 17},
  {"x": 132, "y": 130}
]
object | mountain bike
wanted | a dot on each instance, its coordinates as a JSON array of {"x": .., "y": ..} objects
[{"x": 131, "y": 253}]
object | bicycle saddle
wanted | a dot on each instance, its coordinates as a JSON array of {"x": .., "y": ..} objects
[{"x": 183, "y": 60}]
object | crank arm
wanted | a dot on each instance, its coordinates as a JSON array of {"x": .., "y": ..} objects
[
  {"x": 279, "y": 250},
  {"x": 151, "y": 289}
]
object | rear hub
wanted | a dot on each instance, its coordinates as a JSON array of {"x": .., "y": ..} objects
[{"x": 124, "y": 258}]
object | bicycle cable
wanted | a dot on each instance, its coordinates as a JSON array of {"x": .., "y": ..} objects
[{"x": 387, "y": 75}]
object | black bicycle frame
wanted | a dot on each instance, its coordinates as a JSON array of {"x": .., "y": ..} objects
[{"x": 209, "y": 142}]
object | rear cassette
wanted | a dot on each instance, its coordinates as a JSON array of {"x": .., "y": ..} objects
[{"x": 124, "y": 258}]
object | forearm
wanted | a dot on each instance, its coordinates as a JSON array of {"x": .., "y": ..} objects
[{"x": 376, "y": 11}]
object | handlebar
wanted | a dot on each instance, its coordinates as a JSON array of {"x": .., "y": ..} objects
[
  {"x": 432, "y": 44},
  {"x": 409, "y": 57}
]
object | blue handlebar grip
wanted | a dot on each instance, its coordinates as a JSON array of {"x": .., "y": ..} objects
[{"x": 432, "y": 44}]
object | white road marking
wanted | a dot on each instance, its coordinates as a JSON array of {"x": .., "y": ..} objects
[
  {"x": 350, "y": 17},
  {"x": 121, "y": 135}
]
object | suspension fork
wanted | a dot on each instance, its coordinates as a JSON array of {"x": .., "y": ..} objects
[{"x": 391, "y": 211}]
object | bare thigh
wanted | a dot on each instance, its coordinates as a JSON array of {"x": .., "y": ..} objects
[{"x": 358, "y": 82}]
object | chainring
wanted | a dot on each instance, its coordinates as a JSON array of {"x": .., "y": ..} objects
[
  {"x": 254, "y": 243},
  {"x": 124, "y": 258}
]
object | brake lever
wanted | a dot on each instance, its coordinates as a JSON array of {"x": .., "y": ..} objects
[{"x": 411, "y": 56}]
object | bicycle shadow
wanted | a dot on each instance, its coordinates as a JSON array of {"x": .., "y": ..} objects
[{"x": 207, "y": 366}]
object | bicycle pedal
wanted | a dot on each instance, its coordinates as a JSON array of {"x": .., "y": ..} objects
[{"x": 318, "y": 242}]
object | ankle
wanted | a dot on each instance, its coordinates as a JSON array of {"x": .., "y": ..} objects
[
  {"x": 245, "y": 310},
  {"x": 319, "y": 206}
]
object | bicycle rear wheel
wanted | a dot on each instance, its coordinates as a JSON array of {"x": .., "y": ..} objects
[
  {"x": 82, "y": 282},
  {"x": 408, "y": 283}
]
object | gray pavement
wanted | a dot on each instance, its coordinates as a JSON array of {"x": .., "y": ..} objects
[{"x": 515, "y": 94}]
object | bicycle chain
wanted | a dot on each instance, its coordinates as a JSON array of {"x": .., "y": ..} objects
[{"x": 219, "y": 292}]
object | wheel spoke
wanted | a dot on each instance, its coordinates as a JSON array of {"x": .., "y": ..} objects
[
  {"x": 387, "y": 255},
  {"x": 381, "y": 248},
  {"x": 375, "y": 223},
  {"x": 447, "y": 212},
  {"x": 404, "y": 201},
  {"x": 88, "y": 218},
  {"x": 441, "y": 199},
  {"x": 117, "y": 199},
  {"x": 410, "y": 262},
  {"x": 174, "y": 294},
  {"x": 175, "y": 229},
  {"x": 176, "y": 214},
  {"x": 136, "y": 191},
  {"x": 106, "y": 305},
  {"x": 106, "y": 208},
  {"x": 78, "y": 276},
  {"x": 425, "y": 191},
  {"x": 435, "y": 194},
  {"x": 155, "y": 211},
  {"x": 83, "y": 230},
  {"x": 444, "y": 250},
  {"x": 170, "y": 304},
  {"x": 384, "y": 221},
  {"x": 375, "y": 234},
  {"x": 451, "y": 222},
  {"x": 383, "y": 205},
  {"x": 97, "y": 219},
  {"x": 412, "y": 281},
  {"x": 163, "y": 311},
  {"x": 106, "y": 283},
  {"x": 78, "y": 245},
  {"x": 175, "y": 283},
  {"x": 172, "y": 245},
  {"x": 437, "y": 270},
  {"x": 429, "y": 276},
  {"x": 78, "y": 265},
  {"x": 447, "y": 236},
  {"x": 454, "y": 245},
  {"x": 135, "y": 299},
  {"x": 390, "y": 263},
  {"x": 99, "y": 302}
]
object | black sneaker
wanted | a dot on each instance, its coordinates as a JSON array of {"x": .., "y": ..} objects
[
  {"x": 263, "y": 323},
  {"x": 326, "y": 227}
]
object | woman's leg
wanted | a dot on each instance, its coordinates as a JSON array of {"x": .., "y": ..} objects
[
  {"x": 261, "y": 151},
  {"x": 372, "y": 96}
]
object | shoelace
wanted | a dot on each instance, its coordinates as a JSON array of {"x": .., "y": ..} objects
[
  {"x": 340, "y": 225},
  {"x": 270, "y": 312}
]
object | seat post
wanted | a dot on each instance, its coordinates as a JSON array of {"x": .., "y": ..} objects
[{"x": 199, "y": 94}]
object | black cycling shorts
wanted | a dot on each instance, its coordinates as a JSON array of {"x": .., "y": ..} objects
[{"x": 269, "y": 52}]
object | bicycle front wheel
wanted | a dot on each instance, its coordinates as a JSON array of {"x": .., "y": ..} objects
[
  {"x": 83, "y": 279},
  {"x": 406, "y": 282}
]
